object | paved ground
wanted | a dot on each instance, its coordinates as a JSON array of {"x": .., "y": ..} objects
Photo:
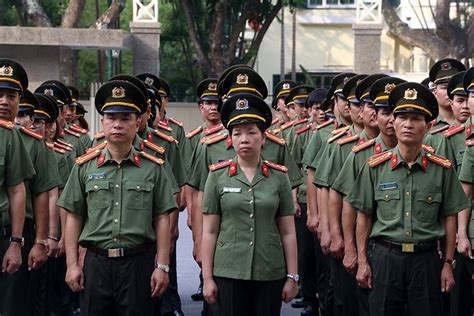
[{"x": 188, "y": 274}]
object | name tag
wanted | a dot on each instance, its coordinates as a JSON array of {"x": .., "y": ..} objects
[
  {"x": 231, "y": 190},
  {"x": 97, "y": 176},
  {"x": 388, "y": 186}
]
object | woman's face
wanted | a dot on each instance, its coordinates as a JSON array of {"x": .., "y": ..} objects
[{"x": 247, "y": 140}]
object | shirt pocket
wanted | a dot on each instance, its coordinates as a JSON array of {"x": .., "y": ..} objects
[
  {"x": 224, "y": 254},
  {"x": 427, "y": 206},
  {"x": 98, "y": 195},
  {"x": 275, "y": 258},
  {"x": 137, "y": 195},
  {"x": 388, "y": 203}
]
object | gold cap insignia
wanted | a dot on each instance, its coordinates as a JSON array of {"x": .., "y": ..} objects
[
  {"x": 242, "y": 79},
  {"x": 118, "y": 93},
  {"x": 388, "y": 88},
  {"x": 286, "y": 86},
  {"x": 446, "y": 65},
  {"x": 149, "y": 81},
  {"x": 241, "y": 104},
  {"x": 212, "y": 86},
  {"x": 48, "y": 92},
  {"x": 411, "y": 94},
  {"x": 302, "y": 90},
  {"x": 6, "y": 71}
]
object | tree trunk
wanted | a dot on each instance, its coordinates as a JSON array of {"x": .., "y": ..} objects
[
  {"x": 282, "y": 46},
  {"x": 293, "y": 47},
  {"x": 73, "y": 14},
  {"x": 36, "y": 14},
  {"x": 110, "y": 15}
]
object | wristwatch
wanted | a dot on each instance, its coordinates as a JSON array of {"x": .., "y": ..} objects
[
  {"x": 19, "y": 240},
  {"x": 162, "y": 267},
  {"x": 451, "y": 262},
  {"x": 294, "y": 277}
]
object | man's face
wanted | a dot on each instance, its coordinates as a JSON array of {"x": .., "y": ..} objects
[
  {"x": 291, "y": 113},
  {"x": 355, "y": 112},
  {"x": 69, "y": 111},
  {"x": 318, "y": 114},
  {"x": 120, "y": 128},
  {"x": 343, "y": 108},
  {"x": 301, "y": 111},
  {"x": 164, "y": 102},
  {"x": 410, "y": 128},
  {"x": 209, "y": 110},
  {"x": 441, "y": 93},
  {"x": 23, "y": 119},
  {"x": 385, "y": 121},
  {"x": 368, "y": 115},
  {"x": 40, "y": 126},
  {"x": 470, "y": 103},
  {"x": 9, "y": 101},
  {"x": 460, "y": 108}
]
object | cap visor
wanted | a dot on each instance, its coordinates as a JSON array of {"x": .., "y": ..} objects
[
  {"x": 9, "y": 86},
  {"x": 119, "y": 109}
]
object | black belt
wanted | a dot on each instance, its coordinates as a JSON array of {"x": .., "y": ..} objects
[
  {"x": 120, "y": 252},
  {"x": 406, "y": 247}
]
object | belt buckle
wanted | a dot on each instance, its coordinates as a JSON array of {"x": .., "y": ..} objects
[
  {"x": 408, "y": 247},
  {"x": 115, "y": 253}
]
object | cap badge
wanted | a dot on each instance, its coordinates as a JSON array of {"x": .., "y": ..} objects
[
  {"x": 346, "y": 79},
  {"x": 242, "y": 79},
  {"x": 149, "y": 81},
  {"x": 118, "y": 93},
  {"x": 241, "y": 104},
  {"x": 212, "y": 86},
  {"x": 48, "y": 92},
  {"x": 286, "y": 86},
  {"x": 411, "y": 94},
  {"x": 6, "y": 71},
  {"x": 388, "y": 88},
  {"x": 302, "y": 90},
  {"x": 446, "y": 65}
]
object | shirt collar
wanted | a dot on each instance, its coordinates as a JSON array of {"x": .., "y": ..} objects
[
  {"x": 396, "y": 160},
  {"x": 105, "y": 158},
  {"x": 236, "y": 171}
]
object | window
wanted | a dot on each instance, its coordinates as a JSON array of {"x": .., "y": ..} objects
[{"x": 312, "y": 4}]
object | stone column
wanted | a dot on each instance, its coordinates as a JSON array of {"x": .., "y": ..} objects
[
  {"x": 146, "y": 47},
  {"x": 367, "y": 47}
]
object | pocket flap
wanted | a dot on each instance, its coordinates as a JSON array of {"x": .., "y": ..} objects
[
  {"x": 97, "y": 185},
  {"x": 138, "y": 186},
  {"x": 387, "y": 195},
  {"x": 429, "y": 197}
]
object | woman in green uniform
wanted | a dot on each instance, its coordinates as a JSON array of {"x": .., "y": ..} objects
[{"x": 249, "y": 256}]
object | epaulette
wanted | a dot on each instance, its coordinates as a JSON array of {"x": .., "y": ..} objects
[
  {"x": 435, "y": 131},
  {"x": 340, "y": 129},
  {"x": 286, "y": 125},
  {"x": 67, "y": 130},
  {"x": 439, "y": 160},
  {"x": 428, "y": 148},
  {"x": 194, "y": 132},
  {"x": 156, "y": 160},
  {"x": 220, "y": 165},
  {"x": 469, "y": 142},
  {"x": 376, "y": 160},
  {"x": 275, "y": 121},
  {"x": 97, "y": 147},
  {"x": 275, "y": 138},
  {"x": 164, "y": 126},
  {"x": 211, "y": 130},
  {"x": 62, "y": 146},
  {"x": 336, "y": 136},
  {"x": 31, "y": 133},
  {"x": 453, "y": 130},
  {"x": 7, "y": 124},
  {"x": 59, "y": 150},
  {"x": 78, "y": 129},
  {"x": 347, "y": 139},
  {"x": 300, "y": 122},
  {"x": 328, "y": 122},
  {"x": 177, "y": 122},
  {"x": 99, "y": 135},
  {"x": 65, "y": 143},
  {"x": 213, "y": 138},
  {"x": 364, "y": 145},
  {"x": 276, "y": 166},
  {"x": 159, "y": 149},
  {"x": 87, "y": 156},
  {"x": 166, "y": 137},
  {"x": 302, "y": 129}
]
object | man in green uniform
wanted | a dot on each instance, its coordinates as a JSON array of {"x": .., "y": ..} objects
[
  {"x": 71, "y": 113},
  {"x": 298, "y": 95},
  {"x": 280, "y": 92},
  {"x": 118, "y": 201},
  {"x": 407, "y": 200}
]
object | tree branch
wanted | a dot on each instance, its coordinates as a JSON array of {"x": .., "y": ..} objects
[
  {"x": 237, "y": 28},
  {"x": 72, "y": 16},
  {"x": 110, "y": 15},
  {"x": 216, "y": 35},
  {"x": 35, "y": 13}
]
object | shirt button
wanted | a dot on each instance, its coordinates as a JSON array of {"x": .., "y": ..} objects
[
  {"x": 118, "y": 166},
  {"x": 117, "y": 203},
  {"x": 251, "y": 201},
  {"x": 116, "y": 220},
  {"x": 117, "y": 186},
  {"x": 251, "y": 215},
  {"x": 430, "y": 198},
  {"x": 251, "y": 243},
  {"x": 138, "y": 187},
  {"x": 408, "y": 193},
  {"x": 115, "y": 239},
  {"x": 407, "y": 214},
  {"x": 386, "y": 196},
  {"x": 249, "y": 190},
  {"x": 407, "y": 233},
  {"x": 251, "y": 229},
  {"x": 95, "y": 187},
  {"x": 409, "y": 172}
]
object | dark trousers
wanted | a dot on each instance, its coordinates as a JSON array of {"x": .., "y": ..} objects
[
  {"x": 170, "y": 301},
  {"x": 345, "y": 290},
  {"x": 117, "y": 286},
  {"x": 462, "y": 293},
  {"x": 249, "y": 298},
  {"x": 404, "y": 283},
  {"x": 325, "y": 288}
]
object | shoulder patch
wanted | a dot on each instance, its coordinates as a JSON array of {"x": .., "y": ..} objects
[
  {"x": 155, "y": 147},
  {"x": 347, "y": 139},
  {"x": 212, "y": 139},
  {"x": 328, "y": 122},
  {"x": 275, "y": 166},
  {"x": 71, "y": 132},
  {"x": 300, "y": 122},
  {"x": 469, "y": 142},
  {"x": 194, "y": 132},
  {"x": 275, "y": 121},
  {"x": 97, "y": 147},
  {"x": 59, "y": 150},
  {"x": 31, "y": 133},
  {"x": 302, "y": 129},
  {"x": 286, "y": 125},
  {"x": 340, "y": 129},
  {"x": 99, "y": 135},
  {"x": 376, "y": 160},
  {"x": 336, "y": 136},
  {"x": 428, "y": 148},
  {"x": 163, "y": 126},
  {"x": 7, "y": 124},
  {"x": 65, "y": 143},
  {"x": 78, "y": 129},
  {"x": 63, "y": 146},
  {"x": 363, "y": 146},
  {"x": 177, "y": 122},
  {"x": 166, "y": 137},
  {"x": 156, "y": 160},
  {"x": 87, "y": 156},
  {"x": 275, "y": 138},
  {"x": 453, "y": 130},
  {"x": 220, "y": 165},
  {"x": 439, "y": 160},
  {"x": 435, "y": 131},
  {"x": 211, "y": 130}
]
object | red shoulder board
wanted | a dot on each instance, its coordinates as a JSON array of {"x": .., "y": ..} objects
[
  {"x": 339, "y": 130},
  {"x": 166, "y": 137},
  {"x": 433, "y": 122},
  {"x": 364, "y": 145},
  {"x": 97, "y": 147},
  {"x": 62, "y": 141},
  {"x": 300, "y": 122},
  {"x": 439, "y": 160},
  {"x": 428, "y": 148},
  {"x": 78, "y": 129},
  {"x": 213, "y": 138},
  {"x": 194, "y": 132},
  {"x": 337, "y": 136},
  {"x": 99, "y": 135},
  {"x": 468, "y": 130},
  {"x": 348, "y": 139},
  {"x": 275, "y": 166},
  {"x": 31, "y": 133},
  {"x": 435, "y": 131},
  {"x": 50, "y": 145},
  {"x": 71, "y": 132},
  {"x": 286, "y": 125},
  {"x": 62, "y": 146},
  {"x": 177, "y": 122},
  {"x": 7, "y": 124},
  {"x": 302, "y": 129},
  {"x": 159, "y": 149},
  {"x": 214, "y": 129},
  {"x": 376, "y": 160},
  {"x": 275, "y": 121},
  {"x": 469, "y": 142},
  {"x": 59, "y": 150},
  {"x": 328, "y": 122},
  {"x": 163, "y": 126},
  {"x": 275, "y": 138},
  {"x": 156, "y": 160},
  {"x": 453, "y": 130},
  {"x": 220, "y": 165},
  {"x": 86, "y": 157}
]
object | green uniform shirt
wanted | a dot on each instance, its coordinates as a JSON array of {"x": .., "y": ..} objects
[
  {"x": 453, "y": 146},
  {"x": 433, "y": 138},
  {"x": 407, "y": 204},
  {"x": 249, "y": 245},
  {"x": 466, "y": 174},
  {"x": 117, "y": 202},
  {"x": 318, "y": 138}
]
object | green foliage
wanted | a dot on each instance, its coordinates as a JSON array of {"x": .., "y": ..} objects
[{"x": 8, "y": 13}]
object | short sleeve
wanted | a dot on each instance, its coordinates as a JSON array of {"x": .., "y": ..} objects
[
  {"x": 466, "y": 174},
  {"x": 73, "y": 198},
  {"x": 286, "y": 206},
  {"x": 211, "y": 201},
  {"x": 18, "y": 165},
  {"x": 455, "y": 199},
  {"x": 163, "y": 198},
  {"x": 362, "y": 196}
]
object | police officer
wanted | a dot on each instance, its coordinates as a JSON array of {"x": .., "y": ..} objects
[
  {"x": 118, "y": 202},
  {"x": 244, "y": 269},
  {"x": 407, "y": 200},
  {"x": 280, "y": 92}
]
